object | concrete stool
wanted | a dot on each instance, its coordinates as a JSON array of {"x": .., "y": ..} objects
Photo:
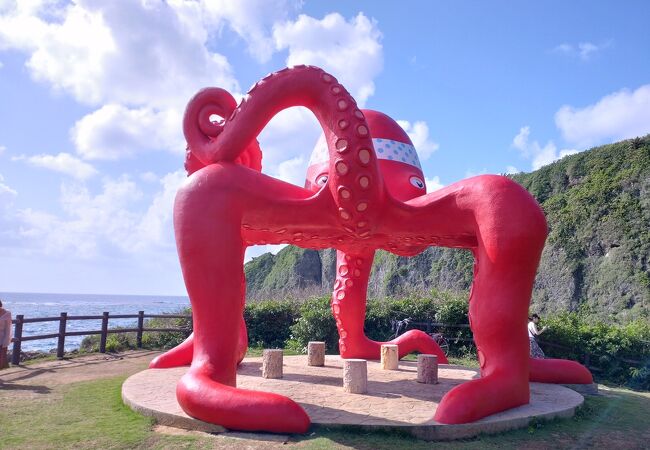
[
  {"x": 355, "y": 376},
  {"x": 389, "y": 357},
  {"x": 427, "y": 369},
  {"x": 272, "y": 363},
  {"x": 316, "y": 353}
]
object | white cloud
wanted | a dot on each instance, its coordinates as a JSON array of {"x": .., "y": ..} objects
[
  {"x": 114, "y": 131},
  {"x": 620, "y": 115},
  {"x": 2, "y": 149},
  {"x": 582, "y": 50},
  {"x": 433, "y": 184},
  {"x": 288, "y": 138},
  {"x": 143, "y": 59},
  {"x": 149, "y": 177},
  {"x": 549, "y": 154},
  {"x": 293, "y": 171},
  {"x": 115, "y": 51},
  {"x": 89, "y": 219},
  {"x": 94, "y": 225},
  {"x": 520, "y": 142},
  {"x": 512, "y": 170},
  {"x": 586, "y": 49},
  {"x": 540, "y": 155},
  {"x": 351, "y": 51},
  {"x": 155, "y": 229},
  {"x": 64, "y": 163},
  {"x": 257, "y": 250},
  {"x": 252, "y": 20},
  {"x": 418, "y": 132},
  {"x": 5, "y": 189}
]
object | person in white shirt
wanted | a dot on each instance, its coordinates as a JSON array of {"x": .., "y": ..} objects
[
  {"x": 533, "y": 332},
  {"x": 5, "y": 336}
]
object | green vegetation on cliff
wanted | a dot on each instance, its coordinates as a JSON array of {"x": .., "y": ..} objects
[
  {"x": 597, "y": 205},
  {"x": 596, "y": 258}
]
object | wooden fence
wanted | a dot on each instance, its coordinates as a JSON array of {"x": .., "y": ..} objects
[{"x": 63, "y": 320}]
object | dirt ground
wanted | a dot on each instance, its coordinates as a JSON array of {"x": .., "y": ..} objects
[{"x": 41, "y": 378}]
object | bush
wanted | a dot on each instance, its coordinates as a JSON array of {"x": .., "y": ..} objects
[
  {"x": 166, "y": 339},
  {"x": 269, "y": 322},
  {"x": 618, "y": 354},
  {"x": 315, "y": 323}
]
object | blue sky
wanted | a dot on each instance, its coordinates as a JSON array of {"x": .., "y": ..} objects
[{"x": 92, "y": 93}]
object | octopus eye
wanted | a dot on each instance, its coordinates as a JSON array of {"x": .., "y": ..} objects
[
  {"x": 417, "y": 182},
  {"x": 321, "y": 180}
]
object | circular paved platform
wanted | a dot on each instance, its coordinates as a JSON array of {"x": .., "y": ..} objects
[{"x": 394, "y": 399}]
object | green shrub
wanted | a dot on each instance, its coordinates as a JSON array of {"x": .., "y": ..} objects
[
  {"x": 166, "y": 339},
  {"x": 269, "y": 322},
  {"x": 315, "y": 323},
  {"x": 119, "y": 342},
  {"x": 618, "y": 354}
]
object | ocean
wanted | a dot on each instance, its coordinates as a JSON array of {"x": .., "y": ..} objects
[{"x": 52, "y": 305}]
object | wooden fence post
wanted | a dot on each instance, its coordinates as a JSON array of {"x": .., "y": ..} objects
[
  {"x": 18, "y": 335},
  {"x": 140, "y": 328},
  {"x": 104, "y": 335},
  {"x": 60, "y": 348}
]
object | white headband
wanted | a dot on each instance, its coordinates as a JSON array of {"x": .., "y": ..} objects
[{"x": 384, "y": 148}]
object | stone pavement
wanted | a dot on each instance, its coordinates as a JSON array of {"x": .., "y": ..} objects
[{"x": 394, "y": 399}]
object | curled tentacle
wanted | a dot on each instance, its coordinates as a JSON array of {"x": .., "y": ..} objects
[
  {"x": 355, "y": 182},
  {"x": 200, "y": 129}
]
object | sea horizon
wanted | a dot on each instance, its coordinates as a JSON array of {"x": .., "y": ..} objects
[{"x": 32, "y": 305}]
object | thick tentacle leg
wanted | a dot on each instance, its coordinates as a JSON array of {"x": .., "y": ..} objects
[
  {"x": 207, "y": 221},
  {"x": 506, "y": 261},
  {"x": 560, "y": 371},
  {"x": 505, "y": 228},
  {"x": 349, "y": 309},
  {"x": 181, "y": 355}
]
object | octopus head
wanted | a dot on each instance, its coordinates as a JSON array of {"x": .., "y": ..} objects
[{"x": 398, "y": 161}]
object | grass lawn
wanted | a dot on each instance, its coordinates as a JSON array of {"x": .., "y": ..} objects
[
  {"x": 91, "y": 415},
  {"x": 82, "y": 415}
]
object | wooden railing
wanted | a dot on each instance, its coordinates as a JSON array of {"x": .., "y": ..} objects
[{"x": 64, "y": 318}]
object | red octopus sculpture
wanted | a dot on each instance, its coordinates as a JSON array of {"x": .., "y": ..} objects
[{"x": 356, "y": 203}]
